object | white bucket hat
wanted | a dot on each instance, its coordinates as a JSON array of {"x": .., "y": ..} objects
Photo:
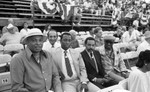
[
  {"x": 33, "y": 32},
  {"x": 109, "y": 37},
  {"x": 10, "y": 26}
]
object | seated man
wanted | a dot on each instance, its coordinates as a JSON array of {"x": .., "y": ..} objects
[
  {"x": 87, "y": 5},
  {"x": 5, "y": 28},
  {"x": 94, "y": 66},
  {"x": 77, "y": 16},
  {"x": 113, "y": 63},
  {"x": 51, "y": 44},
  {"x": 71, "y": 67},
  {"x": 33, "y": 70},
  {"x": 10, "y": 37},
  {"x": 132, "y": 38}
]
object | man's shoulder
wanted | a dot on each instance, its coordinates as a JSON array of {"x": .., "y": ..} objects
[
  {"x": 4, "y": 28},
  {"x": 46, "y": 44},
  {"x": 96, "y": 51},
  {"x": 144, "y": 43},
  {"x": 58, "y": 49},
  {"x": 84, "y": 51},
  {"x": 74, "y": 51},
  {"x": 47, "y": 53},
  {"x": 20, "y": 56},
  {"x": 125, "y": 33}
]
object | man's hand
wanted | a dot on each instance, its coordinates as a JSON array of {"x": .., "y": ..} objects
[
  {"x": 100, "y": 80},
  {"x": 107, "y": 79},
  {"x": 23, "y": 90},
  {"x": 125, "y": 74},
  {"x": 85, "y": 87}
]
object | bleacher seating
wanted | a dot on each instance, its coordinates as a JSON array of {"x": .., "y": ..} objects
[{"x": 21, "y": 9}]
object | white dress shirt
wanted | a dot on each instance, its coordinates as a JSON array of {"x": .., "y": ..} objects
[
  {"x": 139, "y": 81},
  {"x": 48, "y": 47},
  {"x": 143, "y": 46},
  {"x": 129, "y": 38}
]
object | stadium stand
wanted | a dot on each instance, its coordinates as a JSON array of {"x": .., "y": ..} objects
[{"x": 21, "y": 11}]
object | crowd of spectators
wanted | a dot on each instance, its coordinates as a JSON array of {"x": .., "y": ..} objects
[
  {"x": 108, "y": 44},
  {"x": 108, "y": 49},
  {"x": 123, "y": 12},
  {"x": 131, "y": 12}
]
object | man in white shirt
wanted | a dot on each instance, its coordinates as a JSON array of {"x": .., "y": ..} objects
[
  {"x": 145, "y": 45},
  {"x": 52, "y": 42},
  {"x": 131, "y": 35},
  {"x": 11, "y": 36},
  {"x": 10, "y": 22},
  {"x": 131, "y": 38}
]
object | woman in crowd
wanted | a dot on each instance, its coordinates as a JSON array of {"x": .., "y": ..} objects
[
  {"x": 139, "y": 79},
  {"x": 47, "y": 28},
  {"x": 25, "y": 29}
]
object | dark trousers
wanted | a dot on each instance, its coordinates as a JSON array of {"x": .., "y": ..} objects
[{"x": 106, "y": 84}]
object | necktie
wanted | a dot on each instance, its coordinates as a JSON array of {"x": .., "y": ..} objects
[
  {"x": 68, "y": 66},
  {"x": 53, "y": 46},
  {"x": 93, "y": 61}
]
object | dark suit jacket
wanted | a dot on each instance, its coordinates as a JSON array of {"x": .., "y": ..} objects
[{"x": 91, "y": 70}]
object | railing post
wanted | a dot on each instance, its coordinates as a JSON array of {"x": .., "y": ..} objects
[{"x": 32, "y": 11}]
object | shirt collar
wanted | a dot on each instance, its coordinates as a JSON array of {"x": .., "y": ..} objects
[
  {"x": 89, "y": 52},
  {"x": 29, "y": 53},
  {"x": 64, "y": 50}
]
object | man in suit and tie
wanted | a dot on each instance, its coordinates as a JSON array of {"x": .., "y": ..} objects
[
  {"x": 93, "y": 63},
  {"x": 71, "y": 67}
]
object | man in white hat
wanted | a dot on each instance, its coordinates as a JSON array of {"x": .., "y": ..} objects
[
  {"x": 145, "y": 45},
  {"x": 113, "y": 63},
  {"x": 33, "y": 70},
  {"x": 11, "y": 36},
  {"x": 10, "y": 26}
]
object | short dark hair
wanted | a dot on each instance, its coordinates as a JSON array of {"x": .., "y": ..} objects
[
  {"x": 144, "y": 58},
  {"x": 88, "y": 38},
  {"x": 24, "y": 23},
  {"x": 65, "y": 33}
]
